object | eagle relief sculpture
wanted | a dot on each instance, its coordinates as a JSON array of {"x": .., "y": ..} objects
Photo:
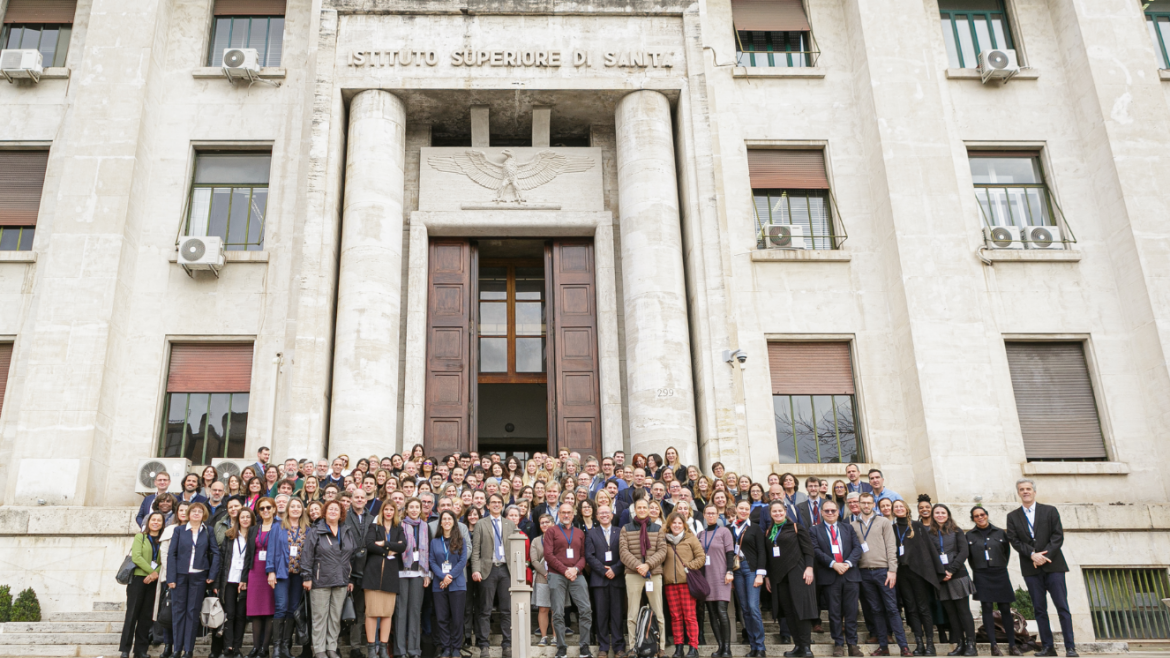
[{"x": 510, "y": 178}]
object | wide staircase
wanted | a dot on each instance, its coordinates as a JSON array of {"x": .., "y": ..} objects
[{"x": 97, "y": 633}]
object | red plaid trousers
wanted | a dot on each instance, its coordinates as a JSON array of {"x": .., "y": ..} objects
[{"x": 682, "y": 614}]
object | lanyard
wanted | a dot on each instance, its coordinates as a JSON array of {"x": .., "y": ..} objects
[
  {"x": 866, "y": 528},
  {"x": 710, "y": 539},
  {"x": 496, "y": 530},
  {"x": 568, "y": 537},
  {"x": 1031, "y": 526},
  {"x": 446, "y": 551},
  {"x": 902, "y": 533},
  {"x": 940, "y": 544}
]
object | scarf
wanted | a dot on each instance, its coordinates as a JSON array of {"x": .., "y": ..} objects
[
  {"x": 412, "y": 546},
  {"x": 775, "y": 530},
  {"x": 644, "y": 538},
  {"x": 675, "y": 539}
]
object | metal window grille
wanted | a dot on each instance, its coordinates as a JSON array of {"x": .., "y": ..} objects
[
  {"x": 1127, "y": 603},
  {"x": 1159, "y": 26},
  {"x": 811, "y": 209},
  {"x": 264, "y": 33},
  {"x": 776, "y": 49},
  {"x": 968, "y": 30},
  {"x": 52, "y": 39},
  {"x": 203, "y": 426}
]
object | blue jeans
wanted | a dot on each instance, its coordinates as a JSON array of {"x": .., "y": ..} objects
[
  {"x": 288, "y": 594},
  {"x": 747, "y": 595},
  {"x": 884, "y": 603},
  {"x": 1041, "y": 586}
]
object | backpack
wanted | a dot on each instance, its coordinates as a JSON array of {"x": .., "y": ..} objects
[{"x": 646, "y": 639}]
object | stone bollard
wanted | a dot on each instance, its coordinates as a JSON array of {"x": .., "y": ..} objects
[{"x": 521, "y": 597}]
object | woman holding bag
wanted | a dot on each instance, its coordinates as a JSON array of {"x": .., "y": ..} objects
[
  {"x": 147, "y": 555},
  {"x": 385, "y": 543},
  {"x": 285, "y": 543},
  {"x": 684, "y": 552},
  {"x": 326, "y": 563}
]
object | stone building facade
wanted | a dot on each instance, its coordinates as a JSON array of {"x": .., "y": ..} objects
[{"x": 412, "y": 172}]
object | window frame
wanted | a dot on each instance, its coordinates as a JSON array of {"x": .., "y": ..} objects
[
  {"x": 189, "y": 206},
  {"x": 841, "y": 458},
  {"x": 986, "y": 15},
  {"x": 22, "y": 243},
  {"x": 206, "y": 460},
  {"x": 810, "y": 56},
  {"x": 1161, "y": 48},
  {"x": 60, "y": 59},
  {"x": 511, "y": 376},
  {"x": 806, "y": 193},
  {"x": 263, "y": 54},
  {"x": 1050, "y": 205}
]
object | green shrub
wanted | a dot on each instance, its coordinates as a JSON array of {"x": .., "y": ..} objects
[
  {"x": 1024, "y": 603},
  {"x": 5, "y": 604},
  {"x": 26, "y": 607}
]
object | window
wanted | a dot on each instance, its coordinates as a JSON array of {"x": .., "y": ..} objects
[
  {"x": 22, "y": 177},
  {"x": 229, "y": 198},
  {"x": 792, "y": 188},
  {"x": 813, "y": 402},
  {"x": 1126, "y": 604},
  {"x": 1055, "y": 401},
  {"x": 255, "y": 24},
  {"x": 1158, "y": 20},
  {"x": 1010, "y": 188},
  {"x": 207, "y": 401},
  {"x": 772, "y": 33},
  {"x": 512, "y": 345},
  {"x": 5, "y": 364},
  {"x": 970, "y": 27},
  {"x": 43, "y": 25}
]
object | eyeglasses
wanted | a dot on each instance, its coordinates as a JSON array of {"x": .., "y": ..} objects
[
  {"x": 979, "y": 515},
  {"x": 266, "y": 508}
]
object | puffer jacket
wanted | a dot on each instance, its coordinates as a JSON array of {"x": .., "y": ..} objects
[
  {"x": 690, "y": 555},
  {"x": 630, "y": 548},
  {"x": 326, "y": 558}
]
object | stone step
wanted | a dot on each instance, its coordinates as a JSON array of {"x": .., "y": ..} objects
[
  {"x": 35, "y": 650},
  {"x": 59, "y": 638},
  {"x": 113, "y": 615},
  {"x": 109, "y": 606},
  {"x": 61, "y": 627}
]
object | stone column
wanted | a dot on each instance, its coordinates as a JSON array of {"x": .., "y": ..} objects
[
  {"x": 363, "y": 417},
  {"x": 659, "y": 384}
]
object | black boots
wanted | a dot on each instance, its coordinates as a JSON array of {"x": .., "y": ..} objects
[
  {"x": 919, "y": 650},
  {"x": 969, "y": 648},
  {"x": 678, "y": 651},
  {"x": 930, "y": 650}
]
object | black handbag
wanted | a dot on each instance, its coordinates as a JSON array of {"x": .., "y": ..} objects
[
  {"x": 301, "y": 619},
  {"x": 125, "y": 572},
  {"x": 347, "y": 612},
  {"x": 164, "y": 607}
]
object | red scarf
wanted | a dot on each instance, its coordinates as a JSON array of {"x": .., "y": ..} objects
[{"x": 645, "y": 535}]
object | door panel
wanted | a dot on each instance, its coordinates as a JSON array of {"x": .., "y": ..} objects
[
  {"x": 577, "y": 398},
  {"x": 448, "y": 398}
]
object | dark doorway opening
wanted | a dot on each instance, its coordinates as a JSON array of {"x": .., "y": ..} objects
[{"x": 513, "y": 419}]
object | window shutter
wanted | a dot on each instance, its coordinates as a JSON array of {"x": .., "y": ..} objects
[
  {"x": 249, "y": 7},
  {"x": 769, "y": 16},
  {"x": 1054, "y": 400},
  {"x": 787, "y": 170},
  {"x": 22, "y": 176},
  {"x": 810, "y": 368},
  {"x": 1002, "y": 154},
  {"x": 40, "y": 11},
  {"x": 5, "y": 362},
  {"x": 210, "y": 368}
]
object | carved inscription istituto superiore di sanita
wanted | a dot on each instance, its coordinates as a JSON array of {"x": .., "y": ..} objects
[{"x": 408, "y": 56}]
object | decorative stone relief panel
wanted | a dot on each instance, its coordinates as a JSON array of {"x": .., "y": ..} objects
[{"x": 514, "y": 178}]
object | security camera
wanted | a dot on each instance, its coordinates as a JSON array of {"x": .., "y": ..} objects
[{"x": 737, "y": 356}]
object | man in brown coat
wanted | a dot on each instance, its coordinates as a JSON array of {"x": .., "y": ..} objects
[{"x": 642, "y": 549}]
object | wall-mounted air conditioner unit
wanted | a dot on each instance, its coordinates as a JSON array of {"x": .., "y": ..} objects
[
  {"x": 1002, "y": 237},
  {"x": 24, "y": 64},
  {"x": 1000, "y": 63},
  {"x": 148, "y": 468},
  {"x": 201, "y": 253},
  {"x": 1043, "y": 237},
  {"x": 229, "y": 467},
  {"x": 783, "y": 236}
]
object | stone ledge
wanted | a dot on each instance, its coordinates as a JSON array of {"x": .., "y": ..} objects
[
  {"x": 800, "y": 255},
  {"x": 235, "y": 257},
  {"x": 1076, "y": 468},
  {"x": 67, "y": 521},
  {"x": 798, "y": 72},
  {"x": 52, "y": 73},
  {"x": 805, "y": 470},
  {"x": 1031, "y": 255},
  {"x": 1164, "y": 74},
  {"x": 213, "y": 72},
  {"x": 18, "y": 256},
  {"x": 973, "y": 74}
]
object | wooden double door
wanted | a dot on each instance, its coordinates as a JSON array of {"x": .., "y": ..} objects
[{"x": 569, "y": 358}]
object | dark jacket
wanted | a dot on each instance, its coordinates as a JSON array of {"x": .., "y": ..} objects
[
  {"x": 226, "y": 550},
  {"x": 755, "y": 549},
  {"x": 992, "y": 542},
  {"x": 278, "y": 551},
  {"x": 458, "y": 563},
  {"x": 850, "y": 548},
  {"x": 917, "y": 554},
  {"x": 595, "y": 550},
  {"x": 379, "y": 572},
  {"x": 956, "y": 552},
  {"x": 1049, "y": 536},
  {"x": 326, "y": 560},
  {"x": 205, "y": 549},
  {"x": 359, "y": 556},
  {"x": 807, "y": 517},
  {"x": 796, "y": 555}
]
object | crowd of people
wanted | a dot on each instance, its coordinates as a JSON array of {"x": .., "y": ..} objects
[{"x": 417, "y": 545}]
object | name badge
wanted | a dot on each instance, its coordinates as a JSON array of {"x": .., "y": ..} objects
[
  {"x": 293, "y": 551},
  {"x": 500, "y": 552},
  {"x": 446, "y": 567},
  {"x": 649, "y": 585},
  {"x": 609, "y": 556},
  {"x": 153, "y": 564},
  {"x": 389, "y": 556},
  {"x": 569, "y": 553},
  {"x": 987, "y": 556},
  {"x": 739, "y": 551},
  {"x": 864, "y": 547},
  {"x": 901, "y": 550},
  {"x": 775, "y": 551},
  {"x": 708, "y": 560},
  {"x": 944, "y": 559},
  {"x": 836, "y": 548},
  {"x": 263, "y": 556},
  {"x": 414, "y": 556}
]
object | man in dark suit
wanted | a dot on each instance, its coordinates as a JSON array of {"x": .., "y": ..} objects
[
  {"x": 838, "y": 552},
  {"x": 810, "y": 510},
  {"x": 1034, "y": 530},
  {"x": 626, "y": 496},
  {"x": 162, "y": 482},
  {"x": 358, "y": 519},
  {"x": 607, "y": 581}
]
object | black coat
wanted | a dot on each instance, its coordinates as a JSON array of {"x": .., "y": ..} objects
[
  {"x": 225, "y": 565},
  {"x": 956, "y": 555},
  {"x": 796, "y": 555},
  {"x": 325, "y": 559},
  {"x": 993, "y": 543},
  {"x": 755, "y": 548},
  {"x": 917, "y": 554},
  {"x": 359, "y": 556},
  {"x": 380, "y": 573},
  {"x": 1049, "y": 537}
]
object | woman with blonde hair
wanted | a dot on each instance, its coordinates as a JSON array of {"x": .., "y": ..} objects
[{"x": 285, "y": 544}]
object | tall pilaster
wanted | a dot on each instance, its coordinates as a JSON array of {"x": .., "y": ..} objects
[
  {"x": 659, "y": 384},
  {"x": 363, "y": 417}
]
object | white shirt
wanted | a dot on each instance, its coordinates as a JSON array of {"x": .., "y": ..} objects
[
  {"x": 194, "y": 542},
  {"x": 239, "y": 550},
  {"x": 1030, "y": 516}
]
